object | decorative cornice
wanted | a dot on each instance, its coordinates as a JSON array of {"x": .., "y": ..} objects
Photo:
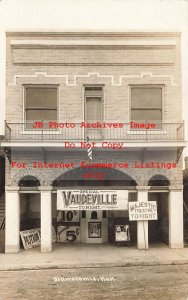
[
  {"x": 40, "y": 33},
  {"x": 95, "y": 75},
  {"x": 45, "y": 188},
  {"x": 92, "y": 42},
  {"x": 143, "y": 188},
  {"x": 176, "y": 188},
  {"x": 12, "y": 188},
  {"x": 92, "y": 64}
]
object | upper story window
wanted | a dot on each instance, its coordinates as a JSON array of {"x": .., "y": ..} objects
[
  {"x": 146, "y": 103},
  {"x": 93, "y": 110},
  {"x": 40, "y": 103},
  {"x": 93, "y": 100}
]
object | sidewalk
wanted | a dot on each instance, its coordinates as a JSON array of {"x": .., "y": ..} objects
[{"x": 92, "y": 256}]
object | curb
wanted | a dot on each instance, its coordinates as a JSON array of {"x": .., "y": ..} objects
[{"x": 94, "y": 265}]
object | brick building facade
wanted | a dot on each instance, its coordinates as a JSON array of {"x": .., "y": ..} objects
[{"x": 114, "y": 78}]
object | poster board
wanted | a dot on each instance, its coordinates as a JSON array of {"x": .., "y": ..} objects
[
  {"x": 122, "y": 233},
  {"x": 143, "y": 211},
  {"x": 31, "y": 238},
  {"x": 68, "y": 234}
]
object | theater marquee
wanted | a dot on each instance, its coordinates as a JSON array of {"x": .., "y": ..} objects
[{"x": 92, "y": 199}]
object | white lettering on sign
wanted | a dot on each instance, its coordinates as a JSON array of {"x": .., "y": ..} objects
[
  {"x": 139, "y": 211},
  {"x": 92, "y": 199}
]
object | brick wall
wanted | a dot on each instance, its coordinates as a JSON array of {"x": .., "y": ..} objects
[
  {"x": 47, "y": 176},
  {"x": 72, "y": 66},
  {"x": 142, "y": 58}
]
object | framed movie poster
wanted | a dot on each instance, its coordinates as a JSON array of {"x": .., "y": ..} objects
[
  {"x": 122, "y": 233},
  {"x": 94, "y": 229}
]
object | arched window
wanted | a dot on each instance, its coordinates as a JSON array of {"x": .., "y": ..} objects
[
  {"x": 159, "y": 180},
  {"x": 29, "y": 181},
  {"x": 93, "y": 215}
]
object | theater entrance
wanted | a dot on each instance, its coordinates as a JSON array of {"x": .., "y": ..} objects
[{"x": 93, "y": 224}]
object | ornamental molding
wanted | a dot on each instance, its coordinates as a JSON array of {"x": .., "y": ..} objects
[{"x": 72, "y": 80}]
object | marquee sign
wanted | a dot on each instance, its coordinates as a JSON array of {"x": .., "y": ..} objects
[
  {"x": 142, "y": 211},
  {"x": 92, "y": 199}
]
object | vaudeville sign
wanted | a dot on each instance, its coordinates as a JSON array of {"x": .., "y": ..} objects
[
  {"x": 139, "y": 211},
  {"x": 92, "y": 199}
]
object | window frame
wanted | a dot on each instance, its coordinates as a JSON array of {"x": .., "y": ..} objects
[
  {"x": 161, "y": 86},
  {"x": 25, "y": 86},
  {"x": 97, "y": 96},
  {"x": 85, "y": 105}
]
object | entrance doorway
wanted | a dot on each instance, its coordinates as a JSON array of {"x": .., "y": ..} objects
[
  {"x": 158, "y": 230},
  {"x": 30, "y": 213},
  {"x": 90, "y": 226}
]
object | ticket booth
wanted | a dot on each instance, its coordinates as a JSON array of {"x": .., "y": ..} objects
[
  {"x": 94, "y": 227},
  {"x": 83, "y": 214},
  {"x": 82, "y": 226}
]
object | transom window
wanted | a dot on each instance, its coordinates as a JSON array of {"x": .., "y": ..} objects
[
  {"x": 146, "y": 103},
  {"x": 40, "y": 103}
]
